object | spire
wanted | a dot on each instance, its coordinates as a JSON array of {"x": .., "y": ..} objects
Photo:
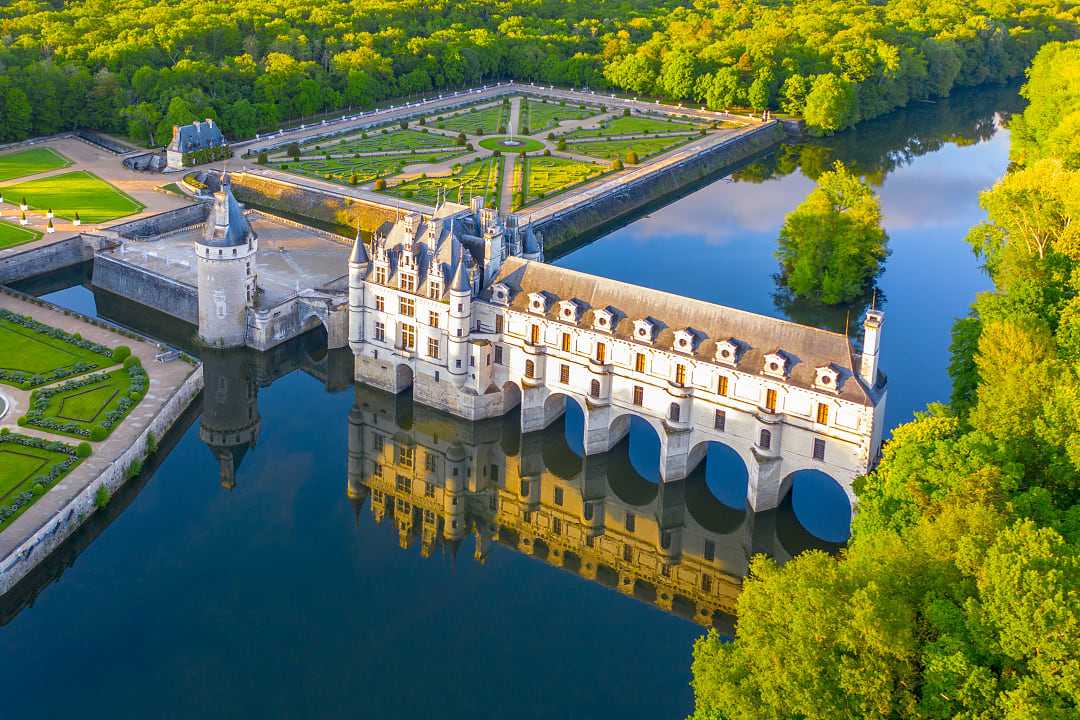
[
  {"x": 229, "y": 226},
  {"x": 460, "y": 280},
  {"x": 359, "y": 255}
]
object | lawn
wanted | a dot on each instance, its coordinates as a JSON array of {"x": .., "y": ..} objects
[
  {"x": 366, "y": 169},
  {"x": 487, "y": 121},
  {"x": 28, "y": 468},
  {"x": 33, "y": 354},
  {"x": 611, "y": 149},
  {"x": 89, "y": 407},
  {"x": 480, "y": 178},
  {"x": 547, "y": 175},
  {"x": 538, "y": 115},
  {"x": 12, "y": 235},
  {"x": 633, "y": 124},
  {"x": 378, "y": 141},
  {"x": 85, "y": 193},
  {"x": 27, "y": 162},
  {"x": 503, "y": 143}
]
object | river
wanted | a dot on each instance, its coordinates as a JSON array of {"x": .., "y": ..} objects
[{"x": 259, "y": 568}]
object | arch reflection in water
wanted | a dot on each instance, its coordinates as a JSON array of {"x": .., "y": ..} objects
[{"x": 437, "y": 479}]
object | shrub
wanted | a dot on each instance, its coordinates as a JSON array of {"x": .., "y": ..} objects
[
  {"x": 284, "y": 166},
  {"x": 151, "y": 443},
  {"x": 404, "y": 124},
  {"x": 461, "y": 138},
  {"x": 626, "y": 112},
  {"x": 98, "y": 433},
  {"x": 352, "y": 179},
  {"x": 21, "y": 421},
  {"x": 121, "y": 353},
  {"x": 525, "y": 130},
  {"x": 631, "y": 157},
  {"x": 561, "y": 145},
  {"x": 409, "y": 193},
  {"x": 293, "y": 150},
  {"x": 83, "y": 450},
  {"x": 380, "y": 184},
  {"x": 131, "y": 361},
  {"x": 262, "y": 158},
  {"x": 617, "y": 164},
  {"x": 547, "y": 152},
  {"x": 101, "y": 497},
  {"x": 551, "y": 136}
]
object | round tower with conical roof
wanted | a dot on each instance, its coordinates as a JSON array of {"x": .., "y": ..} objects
[
  {"x": 225, "y": 259},
  {"x": 461, "y": 290}
]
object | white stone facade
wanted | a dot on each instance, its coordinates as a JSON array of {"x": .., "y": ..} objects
[{"x": 785, "y": 397}]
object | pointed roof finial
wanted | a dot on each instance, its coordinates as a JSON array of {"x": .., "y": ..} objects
[
  {"x": 873, "y": 299},
  {"x": 460, "y": 280}
]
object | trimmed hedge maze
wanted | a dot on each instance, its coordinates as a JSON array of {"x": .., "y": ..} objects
[
  {"x": 548, "y": 175},
  {"x": 379, "y": 141},
  {"x": 491, "y": 120},
  {"x": 357, "y": 171},
  {"x": 634, "y": 125},
  {"x": 540, "y": 115},
  {"x": 642, "y": 148},
  {"x": 480, "y": 178}
]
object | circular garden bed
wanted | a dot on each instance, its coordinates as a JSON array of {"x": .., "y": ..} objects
[{"x": 508, "y": 144}]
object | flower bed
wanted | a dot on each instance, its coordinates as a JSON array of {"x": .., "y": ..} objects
[
  {"x": 35, "y": 354},
  {"x": 29, "y": 466},
  {"x": 89, "y": 407}
]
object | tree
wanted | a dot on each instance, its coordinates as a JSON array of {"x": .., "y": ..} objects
[
  {"x": 830, "y": 104},
  {"x": 832, "y": 245}
]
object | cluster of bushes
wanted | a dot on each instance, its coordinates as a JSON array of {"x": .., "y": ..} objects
[
  {"x": 207, "y": 155},
  {"x": 27, "y": 380},
  {"x": 138, "y": 384},
  {"x": 74, "y": 339},
  {"x": 43, "y": 481}
]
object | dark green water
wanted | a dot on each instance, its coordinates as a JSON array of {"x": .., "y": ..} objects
[{"x": 247, "y": 574}]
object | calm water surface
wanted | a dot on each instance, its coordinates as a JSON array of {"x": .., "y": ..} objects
[{"x": 258, "y": 568}]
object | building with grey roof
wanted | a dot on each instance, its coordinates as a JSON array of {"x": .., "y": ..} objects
[{"x": 188, "y": 141}]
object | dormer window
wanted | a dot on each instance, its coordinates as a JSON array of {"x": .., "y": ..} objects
[
  {"x": 604, "y": 320},
  {"x": 775, "y": 365},
  {"x": 380, "y": 275},
  {"x": 644, "y": 331},
  {"x": 827, "y": 378},
  {"x": 435, "y": 290},
  {"x": 727, "y": 352},
  {"x": 408, "y": 282},
  {"x": 569, "y": 311},
  {"x": 537, "y": 303},
  {"x": 500, "y": 294},
  {"x": 684, "y": 341}
]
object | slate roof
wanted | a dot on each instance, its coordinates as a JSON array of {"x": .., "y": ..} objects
[
  {"x": 237, "y": 230},
  {"x": 805, "y": 347},
  {"x": 196, "y": 136}
]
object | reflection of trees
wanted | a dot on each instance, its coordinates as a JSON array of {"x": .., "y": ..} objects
[
  {"x": 829, "y": 317},
  {"x": 877, "y": 147}
]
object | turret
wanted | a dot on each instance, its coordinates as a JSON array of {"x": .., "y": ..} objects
[
  {"x": 359, "y": 263},
  {"x": 229, "y": 424},
  {"x": 460, "y": 318},
  {"x": 225, "y": 260},
  {"x": 868, "y": 365}
]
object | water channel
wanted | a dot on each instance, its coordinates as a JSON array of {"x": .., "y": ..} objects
[{"x": 254, "y": 570}]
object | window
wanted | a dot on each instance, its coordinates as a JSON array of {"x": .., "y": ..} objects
[
  {"x": 673, "y": 412},
  {"x": 819, "y": 449},
  {"x": 434, "y": 291},
  {"x": 429, "y": 462},
  {"x": 639, "y": 362},
  {"x": 498, "y": 323},
  {"x": 710, "y": 550},
  {"x": 408, "y": 337},
  {"x": 680, "y": 374},
  {"x": 556, "y": 526},
  {"x": 720, "y": 420},
  {"x": 629, "y": 522},
  {"x": 380, "y": 304},
  {"x": 433, "y": 348},
  {"x": 433, "y": 319},
  {"x": 380, "y": 331},
  {"x": 429, "y": 490},
  {"x": 534, "y": 335},
  {"x": 601, "y": 353},
  {"x": 627, "y": 553},
  {"x": 564, "y": 374},
  {"x": 639, "y": 395},
  {"x": 823, "y": 414},
  {"x": 407, "y": 307},
  {"x": 405, "y": 455},
  {"x": 594, "y": 388},
  {"x": 408, "y": 282},
  {"x": 524, "y": 487},
  {"x": 706, "y": 583},
  {"x": 721, "y": 385},
  {"x": 558, "y": 496},
  {"x": 566, "y": 342},
  {"x": 765, "y": 440},
  {"x": 530, "y": 369},
  {"x": 380, "y": 275},
  {"x": 402, "y": 484},
  {"x": 498, "y": 355},
  {"x": 770, "y": 400}
]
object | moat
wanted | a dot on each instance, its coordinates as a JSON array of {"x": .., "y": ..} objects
[{"x": 283, "y": 596}]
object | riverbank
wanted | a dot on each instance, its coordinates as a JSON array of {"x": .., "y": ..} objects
[{"x": 61, "y": 510}]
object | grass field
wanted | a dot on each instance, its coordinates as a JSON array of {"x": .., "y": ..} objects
[
  {"x": 340, "y": 170},
  {"x": 85, "y": 193},
  {"x": 376, "y": 141},
  {"x": 547, "y": 175},
  {"x": 632, "y": 125},
  {"x": 480, "y": 178},
  {"x": 76, "y": 407},
  {"x": 27, "y": 162},
  {"x": 12, "y": 235},
  {"x": 611, "y": 149},
  {"x": 27, "y": 472},
  {"x": 24, "y": 350},
  {"x": 486, "y": 121},
  {"x": 499, "y": 142},
  {"x": 539, "y": 116}
]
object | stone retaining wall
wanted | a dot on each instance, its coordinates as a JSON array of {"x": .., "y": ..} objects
[
  {"x": 163, "y": 222},
  {"x": 38, "y": 546},
  {"x": 21, "y": 264},
  {"x": 148, "y": 288},
  {"x": 326, "y": 208}
]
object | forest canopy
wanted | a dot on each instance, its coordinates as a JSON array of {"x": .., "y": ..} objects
[{"x": 138, "y": 66}]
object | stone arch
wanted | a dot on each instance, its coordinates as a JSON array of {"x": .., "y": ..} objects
[
  {"x": 723, "y": 468},
  {"x": 512, "y": 395},
  {"x": 822, "y": 503},
  {"x": 642, "y": 441},
  {"x": 403, "y": 377}
]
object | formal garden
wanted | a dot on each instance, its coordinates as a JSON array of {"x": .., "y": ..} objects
[
  {"x": 29, "y": 466},
  {"x": 487, "y": 120},
  {"x": 33, "y": 354},
  {"x": 354, "y": 171},
  {"x": 543, "y": 176},
  {"x": 630, "y": 151},
  {"x": 634, "y": 125},
  {"x": 12, "y": 235},
  {"x": 539, "y": 115},
  {"x": 69, "y": 193},
  {"x": 88, "y": 407},
  {"x": 29, "y": 162},
  {"x": 480, "y": 178}
]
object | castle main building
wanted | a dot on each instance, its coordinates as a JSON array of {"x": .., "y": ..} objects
[{"x": 465, "y": 311}]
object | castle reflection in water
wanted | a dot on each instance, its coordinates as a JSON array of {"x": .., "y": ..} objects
[{"x": 440, "y": 482}]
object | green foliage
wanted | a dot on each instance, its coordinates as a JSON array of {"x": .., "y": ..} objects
[
  {"x": 83, "y": 449},
  {"x": 832, "y": 245},
  {"x": 101, "y": 496},
  {"x": 121, "y": 353}
]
